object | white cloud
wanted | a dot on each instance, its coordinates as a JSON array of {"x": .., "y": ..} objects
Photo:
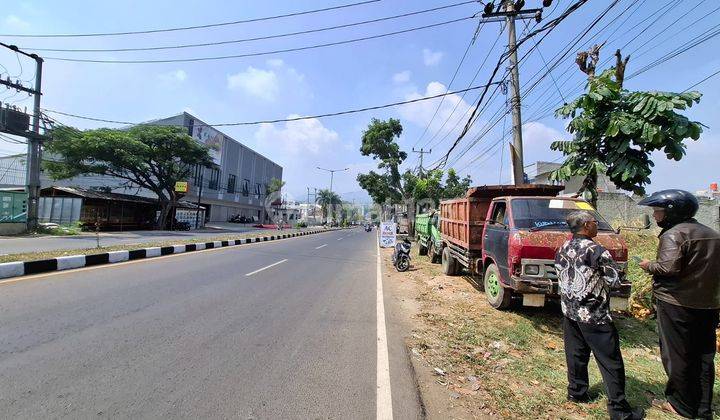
[
  {"x": 173, "y": 77},
  {"x": 421, "y": 113},
  {"x": 432, "y": 58},
  {"x": 297, "y": 137},
  {"x": 538, "y": 133},
  {"x": 267, "y": 84},
  {"x": 14, "y": 22},
  {"x": 402, "y": 77},
  {"x": 262, "y": 84}
]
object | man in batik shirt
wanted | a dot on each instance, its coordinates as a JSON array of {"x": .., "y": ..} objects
[{"x": 586, "y": 271}]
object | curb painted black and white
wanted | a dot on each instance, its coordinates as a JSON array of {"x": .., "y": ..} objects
[{"x": 25, "y": 268}]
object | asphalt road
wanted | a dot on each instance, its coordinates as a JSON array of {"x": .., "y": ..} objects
[
  {"x": 15, "y": 245},
  {"x": 283, "y": 329}
]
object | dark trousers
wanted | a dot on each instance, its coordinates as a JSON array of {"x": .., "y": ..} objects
[
  {"x": 604, "y": 342},
  {"x": 687, "y": 347}
]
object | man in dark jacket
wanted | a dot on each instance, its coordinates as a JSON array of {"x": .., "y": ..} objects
[
  {"x": 586, "y": 271},
  {"x": 686, "y": 287}
]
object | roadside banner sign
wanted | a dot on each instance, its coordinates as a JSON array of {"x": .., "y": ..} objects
[
  {"x": 181, "y": 187},
  {"x": 387, "y": 234}
]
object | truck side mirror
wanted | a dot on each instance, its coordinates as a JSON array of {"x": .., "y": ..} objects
[{"x": 646, "y": 221}]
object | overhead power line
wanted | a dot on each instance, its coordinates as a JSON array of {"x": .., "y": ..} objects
[
  {"x": 693, "y": 43},
  {"x": 452, "y": 80},
  {"x": 702, "y": 81},
  {"x": 547, "y": 28},
  {"x": 186, "y": 28},
  {"x": 331, "y": 114},
  {"x": 259, "y": 38},
  {"x": 256, "y": 54}
]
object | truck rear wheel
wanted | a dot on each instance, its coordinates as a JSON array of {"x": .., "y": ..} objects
[
  {"x": 434, "y": 256},
  {"x": 422, "y": 249},
  {"x": 497, "y": 295},
  {"x": 449, "y": 265}
]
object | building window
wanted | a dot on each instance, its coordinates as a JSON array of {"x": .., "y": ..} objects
[
  {"x": 258, "y": 190},
  {"x": 214, "y": 178},
  {"x": 231, "y": 184},
  {"x": 246, "y": 187},
  {"x": 191, "y": 126}
]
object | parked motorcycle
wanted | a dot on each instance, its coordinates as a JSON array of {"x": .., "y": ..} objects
[
  {"x": 401, "y": 256},
  {"x": 368, "y": 228}
]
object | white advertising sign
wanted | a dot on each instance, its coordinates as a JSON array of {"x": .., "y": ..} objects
[
  {"x": 211, "y": 138},
  {"x": 387, "y": 234}
]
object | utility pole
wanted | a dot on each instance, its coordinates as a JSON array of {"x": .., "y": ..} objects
[
  {"x": 422, "y": 152},
  {"x": 518, "y": 172},
  {"x": 200, "y": 188},
  {"x": 34, "y": 154},
  {"x": 512, "y": 11},
  {"x": 332, "y": 172},
  {"x": 32, "y": 176}
]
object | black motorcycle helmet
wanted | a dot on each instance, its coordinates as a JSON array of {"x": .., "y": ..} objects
[{"x": 679, "y": 206}]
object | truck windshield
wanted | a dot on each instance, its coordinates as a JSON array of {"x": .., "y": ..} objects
[{"x": 550, "y": 214}]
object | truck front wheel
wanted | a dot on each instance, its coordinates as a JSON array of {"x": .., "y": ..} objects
[
  {"x": 498, "y": 296},
  {"x": 449, "y": 265},
  {"x": 434, "y": 257}
]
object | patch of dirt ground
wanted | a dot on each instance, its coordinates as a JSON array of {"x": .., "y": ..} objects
[{"x": 473, "y": 361}]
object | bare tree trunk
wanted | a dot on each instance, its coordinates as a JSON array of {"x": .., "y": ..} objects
[{"x": 161, "y": 222}]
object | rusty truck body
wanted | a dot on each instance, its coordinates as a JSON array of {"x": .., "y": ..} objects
[{"x": 509, "y": 236}]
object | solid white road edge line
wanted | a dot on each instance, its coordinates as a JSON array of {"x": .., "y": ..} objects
[
  {"x": 321, "y": 246},
  {"x": 265, "y": 268},
  {"x": 384, "y": 394}
]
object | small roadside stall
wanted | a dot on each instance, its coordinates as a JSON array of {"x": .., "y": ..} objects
[{"x": 110, "y": 211}]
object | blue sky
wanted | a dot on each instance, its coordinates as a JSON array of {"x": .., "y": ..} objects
[{"x": 362, "y": 74}]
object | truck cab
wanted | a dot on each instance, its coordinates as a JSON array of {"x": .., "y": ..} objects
[
  {"x": 522, "y": 236},
  {"x": 509, "y": 235},
  {"x": 427, "y": 232}
]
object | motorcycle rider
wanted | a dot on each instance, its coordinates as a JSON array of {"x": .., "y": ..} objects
[{"x": 686, "y": 287}]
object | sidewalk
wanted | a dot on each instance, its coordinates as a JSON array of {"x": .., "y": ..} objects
[{"x": 44, "y": 243}]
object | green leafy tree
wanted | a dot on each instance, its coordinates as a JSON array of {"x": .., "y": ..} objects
[
  {"x": 615, "y": 130},
  {"x": 275, "y": 185},
  {"x": 327, "y": 200},
  {"x": 379, "y": 141},
  {"x": 454, "y": 186},
  {"x": 151, "y": 157}
]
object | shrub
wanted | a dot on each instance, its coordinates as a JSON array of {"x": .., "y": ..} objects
[{"x": 643, "y": 245}]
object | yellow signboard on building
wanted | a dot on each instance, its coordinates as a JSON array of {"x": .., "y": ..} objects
[{"x": 181, "y": 186}]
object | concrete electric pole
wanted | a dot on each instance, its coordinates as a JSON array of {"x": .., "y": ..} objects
[
  {"x": 517, "y": 155},
  {"x": 512, "y": 11},
  {"x": 422, "y": 152},
  {"x": 32, "y": 177}
]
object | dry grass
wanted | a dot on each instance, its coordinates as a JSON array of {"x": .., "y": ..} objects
[{"x": 511, "y": 364}]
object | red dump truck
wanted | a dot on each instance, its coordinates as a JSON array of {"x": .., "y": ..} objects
[{"x": 509, "y": 235}]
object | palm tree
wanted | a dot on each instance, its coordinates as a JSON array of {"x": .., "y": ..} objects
[{"x": 327, "y": 199}]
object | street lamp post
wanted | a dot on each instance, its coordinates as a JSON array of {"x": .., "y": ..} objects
[{"x": 332, "y": 172}]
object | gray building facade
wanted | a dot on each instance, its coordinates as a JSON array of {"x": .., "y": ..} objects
[{"x": 235, "y": 185}]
